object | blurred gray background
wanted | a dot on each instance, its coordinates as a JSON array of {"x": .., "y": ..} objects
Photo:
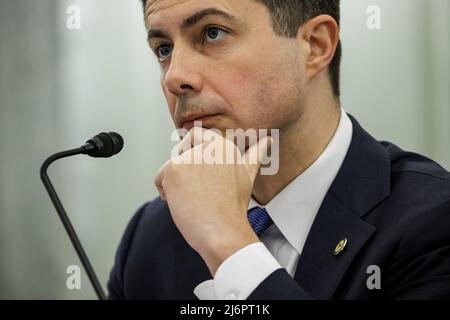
[{"x": 59, "y": 87}]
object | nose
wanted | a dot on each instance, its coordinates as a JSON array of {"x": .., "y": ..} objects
[{"x": 183, "y": 75}]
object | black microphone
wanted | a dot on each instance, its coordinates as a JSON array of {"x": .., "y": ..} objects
[{"x": 103, "y": 145}]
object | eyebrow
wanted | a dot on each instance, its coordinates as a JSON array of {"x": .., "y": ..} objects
[{"x": 191, "y": 21}]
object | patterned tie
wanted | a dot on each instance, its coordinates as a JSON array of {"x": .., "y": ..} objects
[{"x": 259, "y": 220}]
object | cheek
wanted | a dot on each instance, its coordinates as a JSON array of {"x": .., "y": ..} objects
[
  {"x": 240, "y": 92},
  {"x": 261, "y": 97}
]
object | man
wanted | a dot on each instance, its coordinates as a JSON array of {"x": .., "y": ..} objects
[{"x": 345, "y": 216}]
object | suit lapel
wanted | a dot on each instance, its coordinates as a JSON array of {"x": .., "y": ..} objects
[
  {"x": 362, "y": 182},
  {"x": 319, "y": 270}
]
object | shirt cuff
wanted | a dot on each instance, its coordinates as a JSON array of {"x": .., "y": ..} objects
[
  {"x": 205, "y": 290},
  {"x": 240, "y": 274}
]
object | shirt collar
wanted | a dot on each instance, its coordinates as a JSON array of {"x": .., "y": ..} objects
[{"x": 294, "y": 209}]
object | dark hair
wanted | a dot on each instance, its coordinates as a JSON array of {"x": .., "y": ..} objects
[{"x": 289, "y": 15}]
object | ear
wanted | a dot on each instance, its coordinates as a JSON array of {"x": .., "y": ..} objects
[{"x": 321, "y": 35}]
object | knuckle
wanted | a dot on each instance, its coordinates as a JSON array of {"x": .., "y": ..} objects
[{"x": 171, "y": 170}]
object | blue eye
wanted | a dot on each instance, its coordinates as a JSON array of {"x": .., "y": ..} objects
[
  {"x": 214, "y": 34},
  {"x": 163, "y": 52}
]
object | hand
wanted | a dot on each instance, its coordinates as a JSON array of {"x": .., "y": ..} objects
[{"x": 209, "y": 202}]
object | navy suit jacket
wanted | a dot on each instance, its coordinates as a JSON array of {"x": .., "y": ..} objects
[{"x": 392, "y": 206}]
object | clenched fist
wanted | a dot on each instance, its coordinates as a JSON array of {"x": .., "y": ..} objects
[{"x": 208, "y": 201}]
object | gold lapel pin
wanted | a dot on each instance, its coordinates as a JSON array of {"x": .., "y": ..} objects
[{"x": 340, "y": 246}]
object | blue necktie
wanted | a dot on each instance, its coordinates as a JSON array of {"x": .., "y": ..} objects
[{"x": 259, "y": 220}]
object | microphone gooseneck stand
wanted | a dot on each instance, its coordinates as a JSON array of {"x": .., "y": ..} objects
[
  {"x": 65, "y": 219},
  {"x": 103, "y": 145}
]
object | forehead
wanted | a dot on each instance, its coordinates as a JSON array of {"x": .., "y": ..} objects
[{"x": 158, "y": 12}]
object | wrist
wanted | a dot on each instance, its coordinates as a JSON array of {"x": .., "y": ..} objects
[{"x": 221, "y": 249}]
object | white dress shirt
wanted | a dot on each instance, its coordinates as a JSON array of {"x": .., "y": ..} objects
[{"x": 293, "y": 211}]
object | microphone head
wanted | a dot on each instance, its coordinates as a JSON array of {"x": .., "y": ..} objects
[{"x": 105, "y": 145}]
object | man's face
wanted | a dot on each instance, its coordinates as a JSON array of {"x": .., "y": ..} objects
[{"x": 222, "y": 64}]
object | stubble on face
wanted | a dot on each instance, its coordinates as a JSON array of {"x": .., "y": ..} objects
[{"x": 257, "y": 81}]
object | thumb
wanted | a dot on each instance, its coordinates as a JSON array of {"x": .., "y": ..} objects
[{"x": 255, "y": 154}]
